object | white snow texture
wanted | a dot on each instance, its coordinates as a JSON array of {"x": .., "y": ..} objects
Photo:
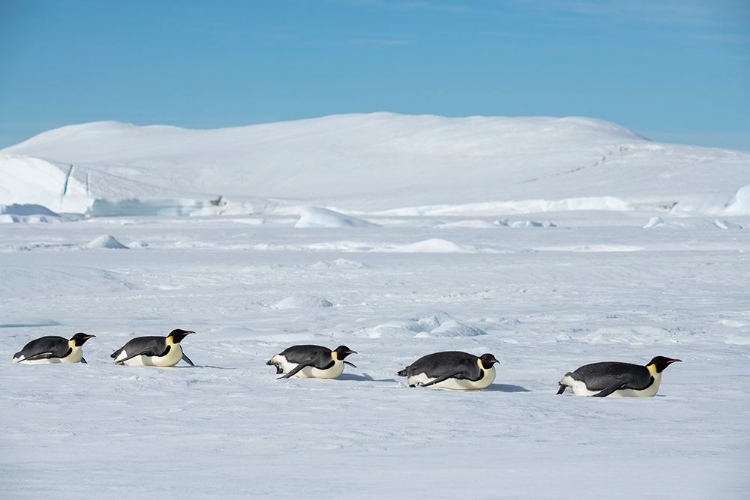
[{"x": 548, "y": 242}]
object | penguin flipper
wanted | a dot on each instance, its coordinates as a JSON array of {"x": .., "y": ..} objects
[
  {"x": 144, "y": 352},
  {"x": 296, "y": 370},
  {"x": 40, "y": 355},
  {"x": 441, "y": 378},
  {"x": 350, "y": 364},
  {"x": 186, "y": 359},
  {"x": 83, "y": 360},
  {"x": 620, "y": 383}
]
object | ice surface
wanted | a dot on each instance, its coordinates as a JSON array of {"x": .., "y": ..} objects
[{"x": 439, "y": 273}]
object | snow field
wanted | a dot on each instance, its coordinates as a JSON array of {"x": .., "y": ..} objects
[
  {"x": 229, "y": 426},
  {"x": 549, "y": 242}
]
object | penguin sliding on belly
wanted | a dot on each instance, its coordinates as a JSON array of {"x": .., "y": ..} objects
[
  {"x": 451, "y": 370},
  {"x": 311, "y": 361},
  {"x": 617, "y": 380},
  {"x": 153, "y": 351},
  {"x": 53, "y": 349}
]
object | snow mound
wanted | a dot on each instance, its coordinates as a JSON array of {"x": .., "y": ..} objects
[
  {"x": 323, "y": 217},
  {"x": 523, "y": 223},
  {"x": 301, "y": 301},
  {"x": 741, "y": 204},
  {"x": 106, "y": 241},
  {"x": 433, "y": 245},
  {"x": 340, "y": 264},
  {"x": 440, "y": 324},
  {"x": 654, "y": 222},
  {"x": 632, "y": 335},
  {"x": 725, "y": 224},
  {"x": 471, "y": 224},
  {"x": 452, "y": 328}
]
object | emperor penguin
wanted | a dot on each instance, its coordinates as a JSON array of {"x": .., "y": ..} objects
[
  {"x": 617, "y": 380},
  {"x": 53, "y": 349},
  {"x": 451, "y": 370},
  {"x": 311, "y": 361},
  {"x": 153, "y": 351}
]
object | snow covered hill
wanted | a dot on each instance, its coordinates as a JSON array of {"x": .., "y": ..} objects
[{"x": 381, "y": 162}]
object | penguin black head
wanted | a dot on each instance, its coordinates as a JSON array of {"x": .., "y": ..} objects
[
  {"x": 341, "y": 352},
  {"x": 178, "y": 334},
  {"x": 660, "y": 363},
  {"x": 488, "y": 360},
  {"x": 80, "y": 338}
]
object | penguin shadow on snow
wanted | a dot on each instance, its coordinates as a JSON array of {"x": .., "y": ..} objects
[
  {"x": 212, "y": 367},
  {"x": 506, "y": 388},
  {"x": 364, "y": 378}
]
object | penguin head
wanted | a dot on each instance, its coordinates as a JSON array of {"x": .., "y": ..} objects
[
  {"x": 341, "y": 352},
  {"x": 80, "y": 338},
  {"x": 660, "y": 363},
  {"x": 487, "y": 360},
  {"x": 177, "y": 335}
]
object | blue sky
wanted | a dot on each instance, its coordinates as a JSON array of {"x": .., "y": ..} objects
[{"x": 675, "y": 71}]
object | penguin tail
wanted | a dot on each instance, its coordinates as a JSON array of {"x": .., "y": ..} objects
[
  {"x": 562, "y": 389},
  {"x": 115, "y": 354},
  {"x": 403, "y": 372}
]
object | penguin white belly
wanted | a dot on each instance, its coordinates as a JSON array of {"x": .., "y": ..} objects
[
  {"x": 648, "y": 392},
  {"x": 172, "y": 358},
  {"x": 580, "y": 389},
  {"x": 309, "y": 371},
  {"x": 49, "y": 361},
  {"x": 74, "y": 357},
  {"x": 454, "y": 383}
]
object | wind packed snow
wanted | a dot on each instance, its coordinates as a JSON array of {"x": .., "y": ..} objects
[{"x": 548, "y": 242}]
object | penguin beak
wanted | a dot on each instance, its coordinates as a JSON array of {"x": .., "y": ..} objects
[
  {"x": 351, "y": 352},
  {"x": 674, "y": 361},
  {"x": 90, "y": 336}
]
